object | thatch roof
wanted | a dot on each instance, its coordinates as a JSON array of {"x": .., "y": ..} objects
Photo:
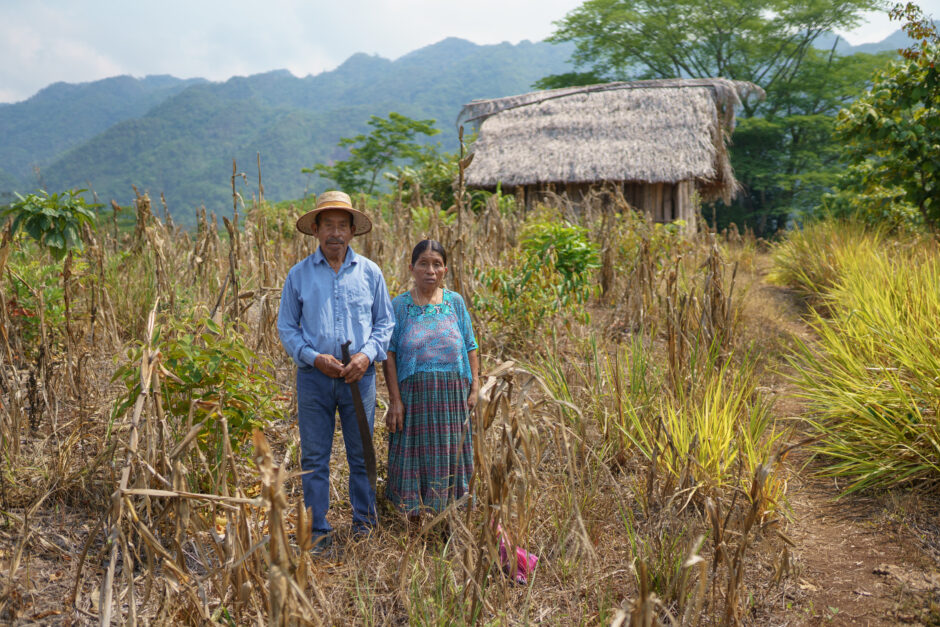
[{"x": 659, "y": 131}]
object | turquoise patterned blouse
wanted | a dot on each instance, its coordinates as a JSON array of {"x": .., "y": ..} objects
[{"x": 433, "y": 338}]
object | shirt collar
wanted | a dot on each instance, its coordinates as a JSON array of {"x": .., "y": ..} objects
[{"x": 351, "y": 257}]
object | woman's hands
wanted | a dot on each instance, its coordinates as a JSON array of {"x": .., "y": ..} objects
[
  {"x": 395, "y": 416},
  {"x": 474, "y": 360},
  {"x": 473, "y": 396}
]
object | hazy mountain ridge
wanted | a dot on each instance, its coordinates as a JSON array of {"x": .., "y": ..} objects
[
  {"x": 184, "y": 145},
  {"x": 895, "y": 41},
  {"x": 37, "y": 130}
]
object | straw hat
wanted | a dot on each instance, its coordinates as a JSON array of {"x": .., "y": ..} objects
[{"x": 334, "y": 200}]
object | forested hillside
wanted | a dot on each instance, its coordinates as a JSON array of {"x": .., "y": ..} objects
[
  {"x": 61, "y": 116},
  {"x": 184, "y": 145}
]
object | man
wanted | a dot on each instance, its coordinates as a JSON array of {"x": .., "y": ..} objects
[{"x": 332, "y": 296}]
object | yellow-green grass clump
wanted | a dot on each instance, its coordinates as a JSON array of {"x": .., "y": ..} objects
[{"x": 873, "y": 376}]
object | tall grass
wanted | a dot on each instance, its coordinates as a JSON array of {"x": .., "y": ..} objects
[
  {"x": 704, "y": 440},
  {"x": 811, "y": 259},
  {"x": 632, "y": 452},
  {"x": 682, "y": 416},
  {"x": 872, "y": 375}
]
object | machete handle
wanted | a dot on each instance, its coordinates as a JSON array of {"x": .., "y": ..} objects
[{"x": 345, "y": 349}]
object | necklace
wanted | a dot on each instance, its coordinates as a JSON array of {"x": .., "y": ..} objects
[{"x": 436, "y": 299}]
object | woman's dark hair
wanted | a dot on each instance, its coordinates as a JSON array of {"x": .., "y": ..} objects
[{"x": 424, "y": 246}]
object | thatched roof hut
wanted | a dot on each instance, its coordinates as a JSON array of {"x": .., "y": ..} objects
[{"x": 659, "y": 139}]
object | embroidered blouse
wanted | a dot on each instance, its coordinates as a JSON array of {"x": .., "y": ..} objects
[{"x": 432, "y": 338}]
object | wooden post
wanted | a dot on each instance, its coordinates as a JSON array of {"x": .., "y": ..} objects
[
  {"x": 683, "y": 206},
  {"x": 682, "y": 200}
]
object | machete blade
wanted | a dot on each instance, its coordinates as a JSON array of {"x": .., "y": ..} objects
[{"x": 365, "y": 434}]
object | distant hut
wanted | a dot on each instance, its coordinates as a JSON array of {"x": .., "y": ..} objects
[{"x": 656, "y": 140}]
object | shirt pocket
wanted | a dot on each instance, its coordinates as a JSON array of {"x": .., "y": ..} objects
[{"x": 359, "y": 302}]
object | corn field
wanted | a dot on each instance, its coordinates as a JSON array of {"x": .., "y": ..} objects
[{"x": 150, "y": 469}]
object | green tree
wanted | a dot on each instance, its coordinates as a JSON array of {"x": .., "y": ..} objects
[
  {"x": 762, "y": 41},
  {"x": 391, "y": 141},
  {"x": 787, "y": 159},
  {"x": 783, "y": 152},
  {"x": 892, "y": 133}
]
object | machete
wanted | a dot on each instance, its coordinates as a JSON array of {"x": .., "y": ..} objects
[{"x": 365, "y": 433}]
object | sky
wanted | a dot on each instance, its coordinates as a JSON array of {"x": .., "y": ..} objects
[{"x": 45, "y": 41}]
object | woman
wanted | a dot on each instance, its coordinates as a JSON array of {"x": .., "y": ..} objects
[{"x": 432, "y": 374}]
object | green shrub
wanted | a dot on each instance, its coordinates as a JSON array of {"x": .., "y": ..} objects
[
  {"x": 549, "y": 275},
  {"x": 565, "y": 247},
  {"x": 862, "y": 196},
  {"x": 34, "y": 277},
  {"x": 212, "y": 373},
  {"x": 522, "y": 295},
  {"x": 31, "y": 276}
]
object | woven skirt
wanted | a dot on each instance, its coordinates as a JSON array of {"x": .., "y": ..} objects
[{"x": 430, "y": 461}]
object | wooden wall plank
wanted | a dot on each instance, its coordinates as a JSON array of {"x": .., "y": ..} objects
[
  {"x": 657, "y": 202},
  {"x": 668, "y": 202}
]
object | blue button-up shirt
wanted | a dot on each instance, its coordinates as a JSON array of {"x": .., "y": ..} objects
[{"x": 321, "y": 309}]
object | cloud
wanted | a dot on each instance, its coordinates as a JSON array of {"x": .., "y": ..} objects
[
  {"x": 43, "y": 41},
  {"x": 39, "y": 48}
]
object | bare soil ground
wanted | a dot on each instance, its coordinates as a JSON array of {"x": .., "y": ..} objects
[{"x": 855, "y": 566}]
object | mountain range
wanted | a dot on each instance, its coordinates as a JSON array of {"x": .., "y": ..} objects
[{"x": 179, "y": 137}]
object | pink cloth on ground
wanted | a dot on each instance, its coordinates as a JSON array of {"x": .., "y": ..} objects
[{"x": 525, "y": 561}]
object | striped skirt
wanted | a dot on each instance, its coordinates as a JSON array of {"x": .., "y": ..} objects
[{"x": 430, "y": 461}]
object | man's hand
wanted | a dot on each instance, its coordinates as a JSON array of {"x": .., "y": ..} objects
[
  {"x": 329, "y": 365},
  {"x": 395, "y": 417},
  {"x": 357, "y": 366}
]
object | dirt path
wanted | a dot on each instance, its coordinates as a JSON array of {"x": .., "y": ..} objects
[
  {"x": 854, "y": 562},
  {"x": 853, "y": 565}
]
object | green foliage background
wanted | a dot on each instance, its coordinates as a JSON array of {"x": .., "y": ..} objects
[
  {"x": 892, "y": 137},
  {"x": 179, "y": 137}
]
